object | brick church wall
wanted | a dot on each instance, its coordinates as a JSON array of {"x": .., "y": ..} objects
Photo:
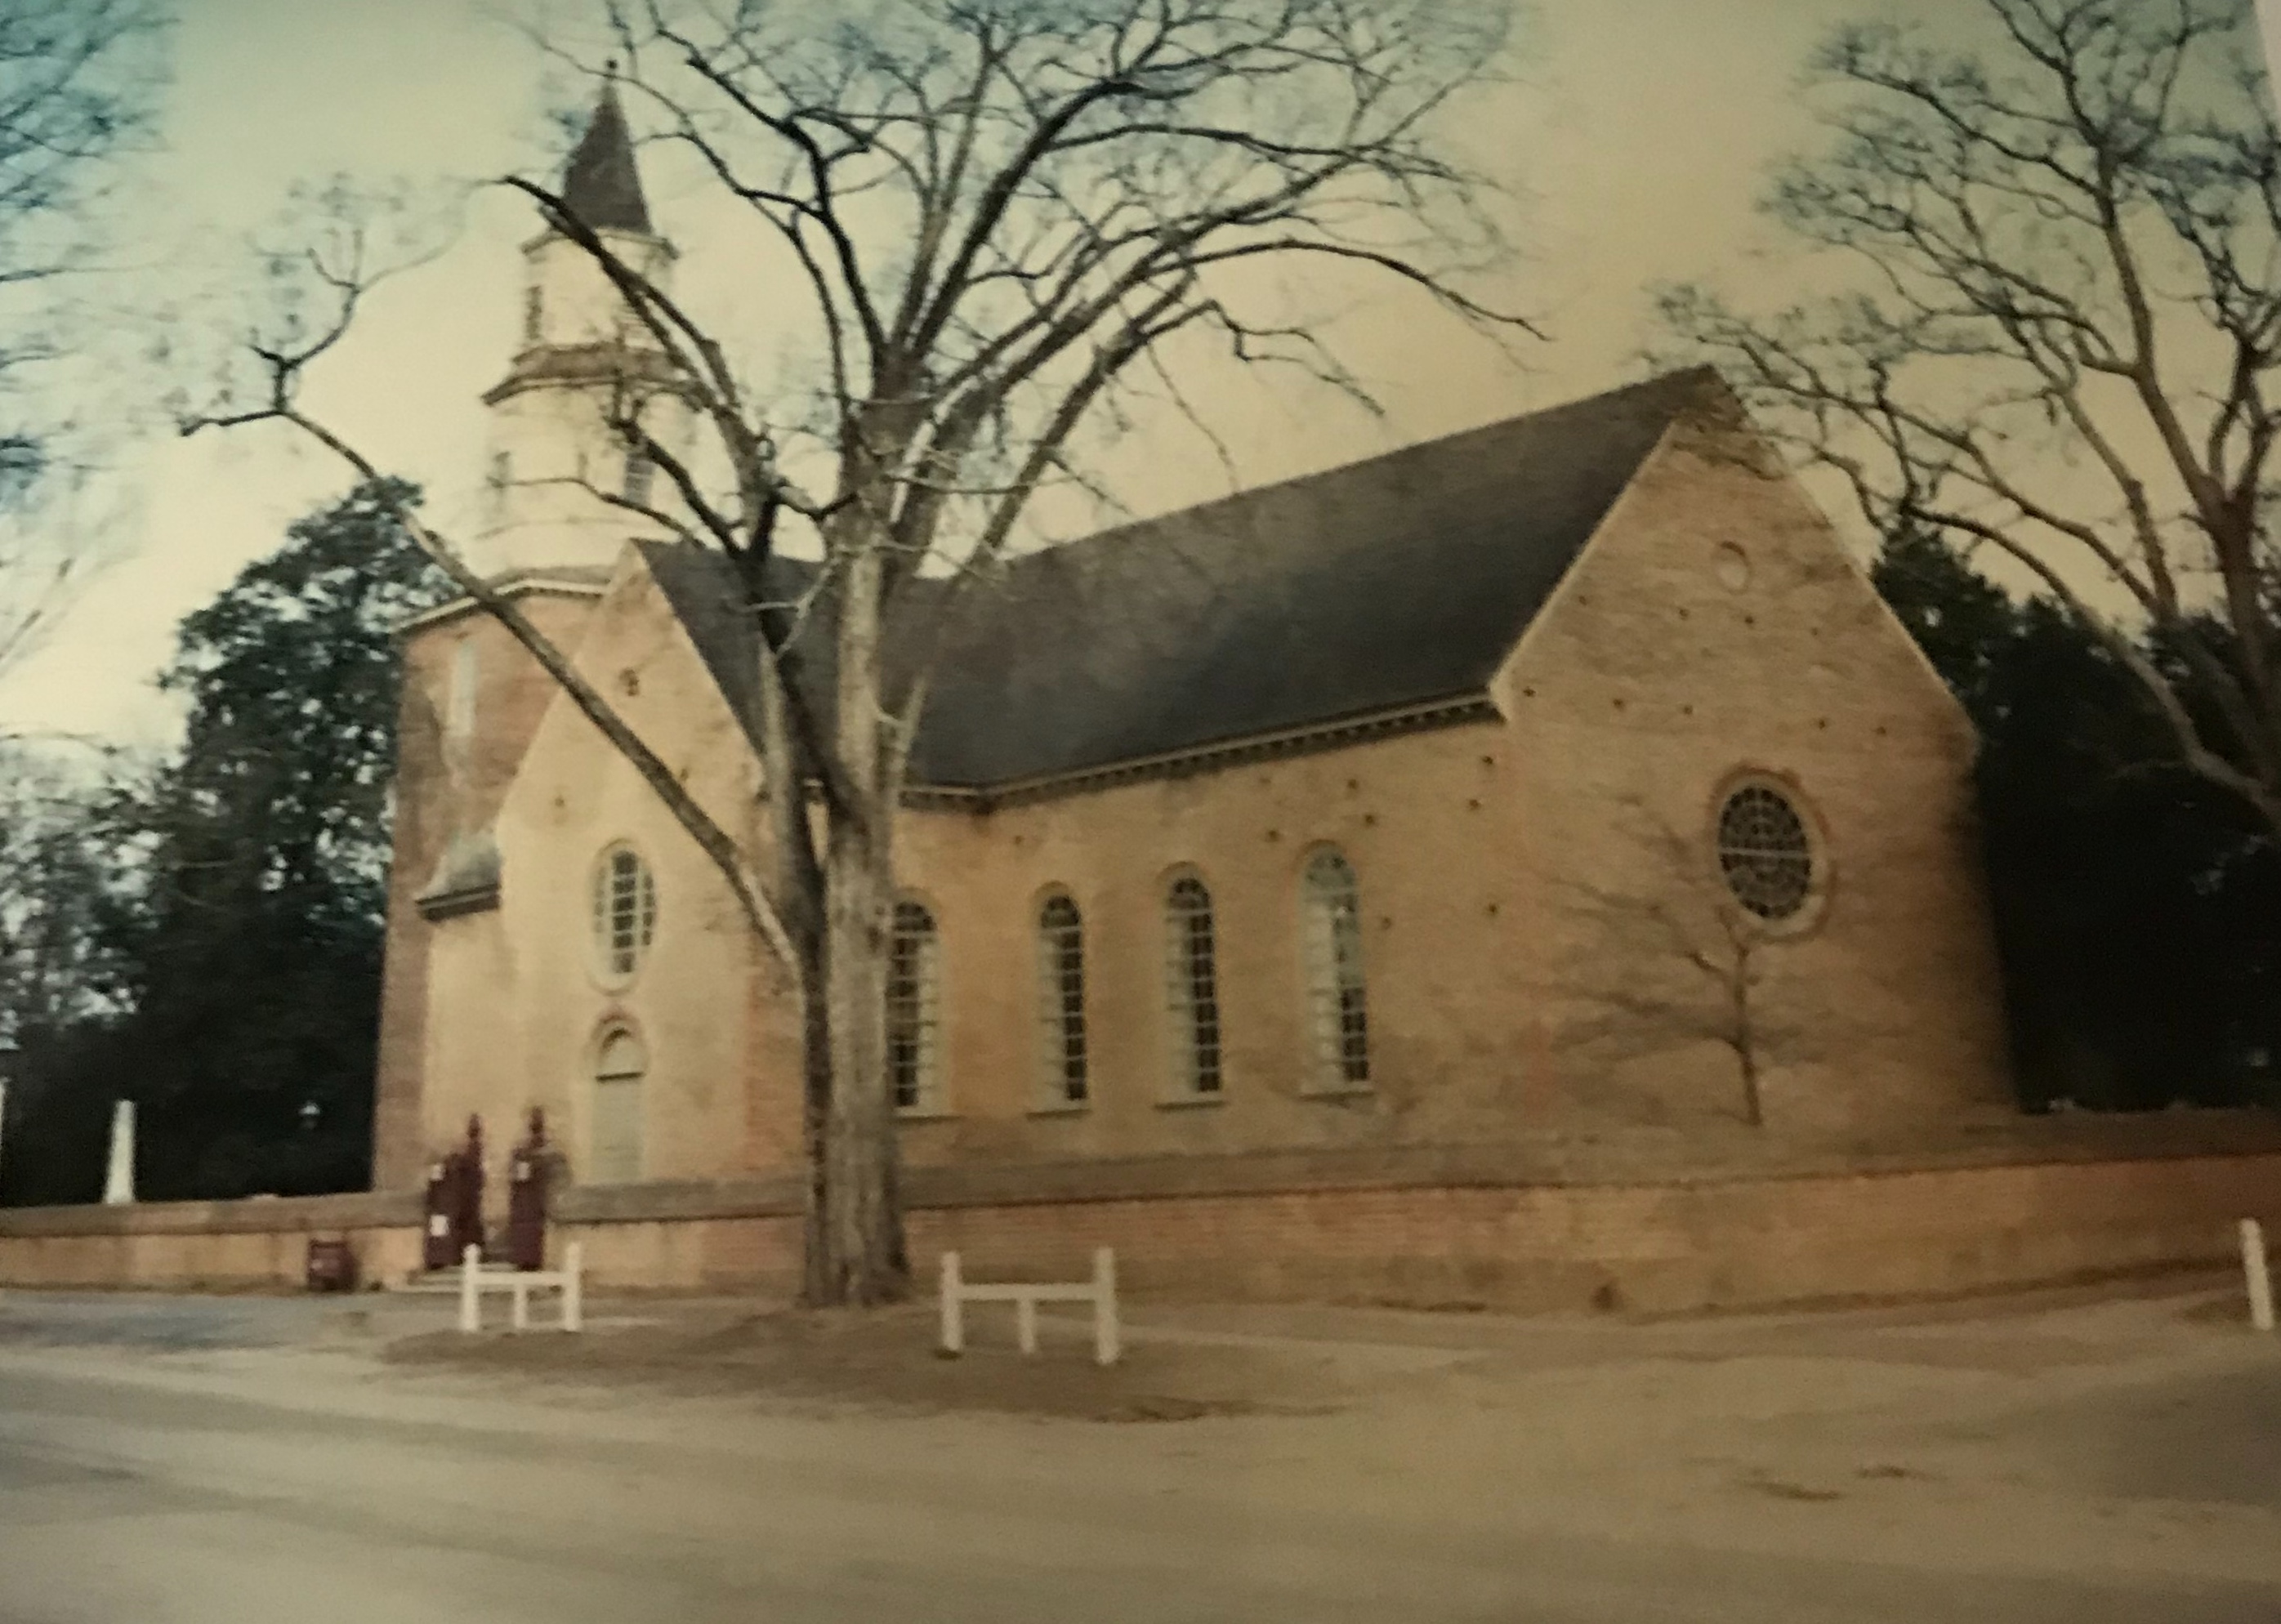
[
  {"x": 1494, "y": 855},
  {"x": 442, "y": 789},
  {"x": 1513, "y": 874}
]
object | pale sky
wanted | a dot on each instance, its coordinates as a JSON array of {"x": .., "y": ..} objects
[{"x": 1642, "y": 132}]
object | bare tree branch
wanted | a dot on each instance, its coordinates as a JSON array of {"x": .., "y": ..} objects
[{"x": 2069, "y": 254}]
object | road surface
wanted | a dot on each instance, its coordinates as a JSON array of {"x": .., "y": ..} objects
[{"x": 160, "y": 1473}]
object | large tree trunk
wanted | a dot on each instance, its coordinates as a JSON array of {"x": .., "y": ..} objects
[
  {"x": 862, "y": 1239},
  {"x": 788, "y": 830},
  {"x": 817, "y": 1288},
  {"x": 862, "y": 1236}
]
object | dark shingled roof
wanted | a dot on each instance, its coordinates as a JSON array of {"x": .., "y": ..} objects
[
  {"x": 1397, "y": 581},
  {"x": 600, "y": 185}
]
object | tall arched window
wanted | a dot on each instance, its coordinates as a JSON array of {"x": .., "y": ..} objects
[
  {"x": 625, "y": 911},
  {"x": 615, "y": 1141},
  {"x": 912, "y": 973},
  {"x": 1061, "y": 1001},
  {"x": 1332, "y": 908},
  {"x": 1192, "y": 976}
]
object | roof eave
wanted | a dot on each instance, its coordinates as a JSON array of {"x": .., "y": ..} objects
[
  {"x": 531, "y": 585},
  {"x": 1463, "y": 708}
]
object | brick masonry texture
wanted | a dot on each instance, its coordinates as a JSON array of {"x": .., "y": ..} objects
[{"x": 1616, "y": 1230}]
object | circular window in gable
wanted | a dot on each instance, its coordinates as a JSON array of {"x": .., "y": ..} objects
[{"x": 1765, "y": 855}]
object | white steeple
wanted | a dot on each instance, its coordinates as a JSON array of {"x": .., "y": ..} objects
[{"x": 584, "y": 357}]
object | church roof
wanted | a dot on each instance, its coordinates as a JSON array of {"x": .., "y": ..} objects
[
  {"x": 600, "y": 185},
  {"x": 1397, "y": 582}
]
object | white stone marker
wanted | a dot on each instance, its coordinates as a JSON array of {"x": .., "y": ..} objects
[
  {"x": 2261, "y": 1279},
  {"x": 118, "y": 1182}
]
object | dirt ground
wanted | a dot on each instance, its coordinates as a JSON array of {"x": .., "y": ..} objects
[
  {"x": 887, "y": 1360},
  {"x": 1182, "y": 1363}
]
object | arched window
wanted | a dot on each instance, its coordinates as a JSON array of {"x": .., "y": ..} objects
[
  {"x": 625, "y": 911},
  {"x": 1332, "y": 908},
  {"x": 1764, "y": 854},
  {"x": 534, "y": 310},
  {"x": 911, "y": 991},
  {"x": 1192, "y": 976},
  {"x": 1061, "y": 1001},
  {"x": 616, "y": 1143}
]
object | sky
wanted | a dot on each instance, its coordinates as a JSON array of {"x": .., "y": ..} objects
[{"x": 1641, "y": 131}]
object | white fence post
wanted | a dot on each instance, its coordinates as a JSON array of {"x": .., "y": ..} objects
[
  {"x": 1101, "y": 1291},
  {"x": 2260, "y": 1278},
  {"x": 1105, "y": 1328},
  {"x": 519, "y": 1303},
  {"x": 470, "y": 1320},
  {"x": 954, "y": 1326},
  {"x": 573, "y": 1288}
]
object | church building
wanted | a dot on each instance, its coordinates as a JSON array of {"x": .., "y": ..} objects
[{"x": 1561, "y": 779}]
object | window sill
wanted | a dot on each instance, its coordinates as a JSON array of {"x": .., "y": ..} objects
[
  {"x": 1191, "y": 1102},
  {"x": 923, "y": 1113},
  {"x": 1339, "y": 1091},
  {"x": 1061, "y": 1108}
]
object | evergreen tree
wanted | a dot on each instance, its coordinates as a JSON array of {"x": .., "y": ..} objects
[
  {"x": 2137, "y": 911},
  {"x": 253, "y": 947}
]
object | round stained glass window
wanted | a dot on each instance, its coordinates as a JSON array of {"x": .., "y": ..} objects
[{"x": 1764, "y": 854}]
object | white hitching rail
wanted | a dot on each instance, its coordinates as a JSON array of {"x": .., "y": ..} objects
[
  {"x": 1101, "y": 1291},
  {"x": 566, "y": 1282}
]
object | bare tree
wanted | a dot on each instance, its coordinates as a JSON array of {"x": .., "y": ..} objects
[
  {"x": 2058, "y": 319},
  {"x": 57, "y": 848},
  {"x": 998, "y": 215},
  {"x": 1680, "y": 962},
  {"x": 77, "y": 82}
]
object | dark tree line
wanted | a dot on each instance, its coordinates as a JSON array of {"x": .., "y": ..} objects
[
  {"x": 2137, "y": 905},
  {"x": 218, "y": 918}
]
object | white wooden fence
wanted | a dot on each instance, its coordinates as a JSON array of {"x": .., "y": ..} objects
[
  {"x": 566, "y": 1282},
  {"x": 1101, "y": 1291},
  {"x": 2259, "y": 1278}
]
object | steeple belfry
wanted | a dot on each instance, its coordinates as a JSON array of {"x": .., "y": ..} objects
[{"x": 586, "y": 360}]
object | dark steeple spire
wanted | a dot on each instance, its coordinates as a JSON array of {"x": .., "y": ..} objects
[{"x": 601, "y": 186}]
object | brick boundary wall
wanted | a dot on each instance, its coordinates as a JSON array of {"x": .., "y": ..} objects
[
  {"x": 203, "y": 1245},
  {"x": 1593, "y": 1238},
  {"x": 1646, "y": 1223}
]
